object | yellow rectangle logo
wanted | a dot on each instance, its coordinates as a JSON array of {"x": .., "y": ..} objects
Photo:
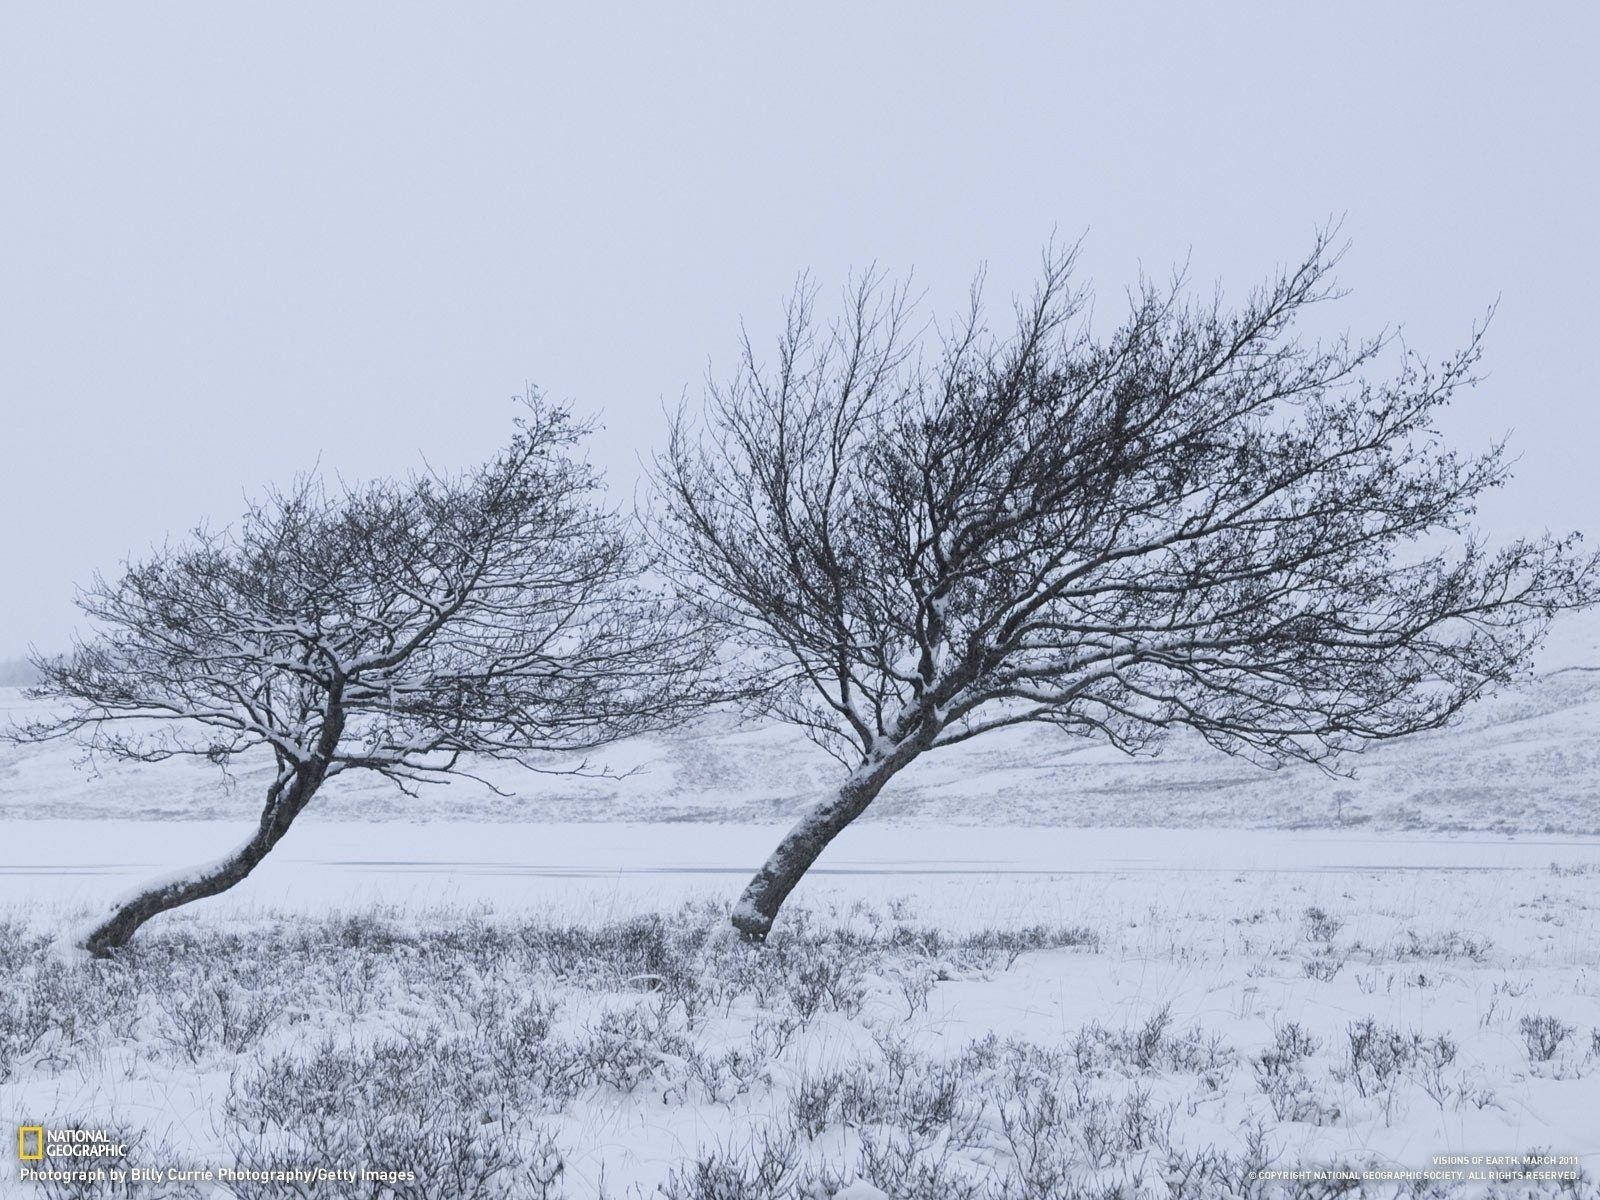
[{"x": 38, "y": 1143}]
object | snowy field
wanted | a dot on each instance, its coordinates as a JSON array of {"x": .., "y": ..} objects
[{"x": 1006, "y": 1012}]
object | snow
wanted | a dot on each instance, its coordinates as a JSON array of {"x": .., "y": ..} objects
[
  {"x": 1461, "y": 936},
  {"x": 962, "y": 876},
  {"x": 860, "y": 1190},
  {"x": 1527, "y": 760}
]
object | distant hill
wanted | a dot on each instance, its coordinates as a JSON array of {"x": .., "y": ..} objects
[
  {"x": 17, "y": 672},
  {"x": 1527, "y": 760}
]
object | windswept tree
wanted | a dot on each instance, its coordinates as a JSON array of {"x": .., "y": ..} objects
[
  {"x": 411, "y": 628},
  {"x": 1197, "y": 520}
]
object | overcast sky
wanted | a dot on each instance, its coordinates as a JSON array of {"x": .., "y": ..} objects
[{"x": 237, "y": 238}]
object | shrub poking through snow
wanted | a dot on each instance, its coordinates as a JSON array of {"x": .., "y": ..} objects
[
  {"x": 1281, "y": 1076},
  {"x": 499, "y": 1059},
  {"x": 1544, "y": 1035},
  {"x": 1378, "y": 1055},
  {"x": 1448, "y": 943},
  {"x": 1322, "y": 926}
]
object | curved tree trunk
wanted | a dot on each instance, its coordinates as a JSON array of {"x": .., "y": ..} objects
[
  {"x": 771, "y": 885},
  {"x": 285, "y": 800}
]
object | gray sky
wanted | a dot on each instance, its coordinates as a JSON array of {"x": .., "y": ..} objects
[{"x": 240, "y": 237}]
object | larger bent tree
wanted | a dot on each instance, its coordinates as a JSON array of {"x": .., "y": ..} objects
[
  {"x": 1197, "y": 520},
  {"x": 413, "y": 628}
]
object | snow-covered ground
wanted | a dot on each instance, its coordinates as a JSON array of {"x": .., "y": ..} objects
[
  {"x": 960, "y": 876},
  {"x": 1278, "y": 999}
]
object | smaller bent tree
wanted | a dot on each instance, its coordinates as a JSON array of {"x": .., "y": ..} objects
[
  {"x": 408, "y": 627},
  {"x": 1197, "y": 521}
]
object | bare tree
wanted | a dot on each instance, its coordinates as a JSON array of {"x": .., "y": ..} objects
[
  {"x": 1199, "y": 521},
  {"x": 409, "y": 627}
]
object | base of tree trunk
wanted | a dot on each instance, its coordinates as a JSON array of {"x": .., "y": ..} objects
[
  {"x": 115, "y": 931},
  {"x": 112, "y": 933},
  {"x": 751, "y": 926},
  {"x": 764, "y": 895}
]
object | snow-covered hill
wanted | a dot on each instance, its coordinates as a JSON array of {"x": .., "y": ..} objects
[{"x": 1526, "y": 760}]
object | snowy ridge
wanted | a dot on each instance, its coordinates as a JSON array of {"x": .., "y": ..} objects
[{"x": 1525, "y": 760}]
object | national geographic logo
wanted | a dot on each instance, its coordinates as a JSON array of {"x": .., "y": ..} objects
[
  {"x": 35, "y": 1143},
  {"x": 30, "y": 1143}
]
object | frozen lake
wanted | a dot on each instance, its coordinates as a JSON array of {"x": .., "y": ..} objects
[{"x": 977, "y": 871}]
